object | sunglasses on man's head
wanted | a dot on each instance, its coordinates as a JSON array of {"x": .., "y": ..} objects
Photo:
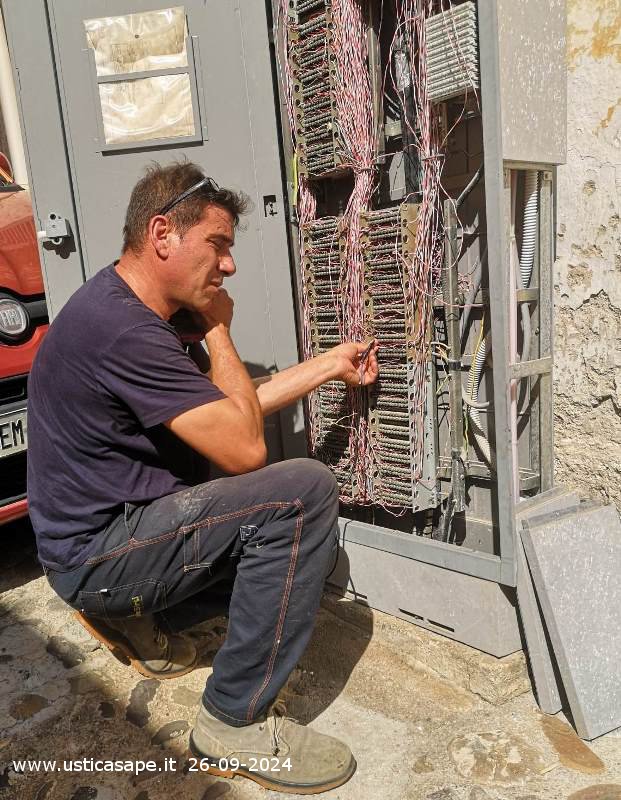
[{"x": 211, "y": 185}]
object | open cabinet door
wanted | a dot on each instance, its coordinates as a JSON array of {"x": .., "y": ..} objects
[{"x": 136, "y": 82}]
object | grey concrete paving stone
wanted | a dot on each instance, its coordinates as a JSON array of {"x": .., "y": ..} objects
[
  {"x": 538, "y": 646},
  {"x": 575, "y": 561}
]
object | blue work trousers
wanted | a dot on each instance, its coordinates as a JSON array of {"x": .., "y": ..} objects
[{"x": 263, "y": 542}]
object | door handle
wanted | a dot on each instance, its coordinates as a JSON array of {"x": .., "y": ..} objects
[{"x": 56, "y": 229}]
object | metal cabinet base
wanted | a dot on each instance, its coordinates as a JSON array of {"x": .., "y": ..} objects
[{"x": 477, "y": 612}]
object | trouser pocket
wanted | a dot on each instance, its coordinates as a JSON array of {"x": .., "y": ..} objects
[
  {"x": 129, "y": 600},
  {"x": 192, "y": 550}
]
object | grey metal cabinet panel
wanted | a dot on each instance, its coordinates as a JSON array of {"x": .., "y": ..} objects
[
  {"x": 234, "y": 65},
  {"x": 50, "y": 183},
  {"x": 533, "y": 80}
]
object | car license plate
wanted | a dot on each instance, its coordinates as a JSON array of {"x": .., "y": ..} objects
[{"x": 13, "y": 433}]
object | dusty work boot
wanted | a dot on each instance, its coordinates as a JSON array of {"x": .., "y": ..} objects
[
  {"x": 147, "y": 648},
  {"x": 275, "y": 751}
]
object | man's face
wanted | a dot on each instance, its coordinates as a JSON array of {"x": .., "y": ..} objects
[{"x": 202, "y": 259}]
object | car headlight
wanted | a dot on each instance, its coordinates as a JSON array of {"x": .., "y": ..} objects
[{"x": 13, "y": 319}]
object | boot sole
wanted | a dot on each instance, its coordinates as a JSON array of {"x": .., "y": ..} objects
[
  {"x": 272, "y": 783},
  {"x": 126, "y": 655}
]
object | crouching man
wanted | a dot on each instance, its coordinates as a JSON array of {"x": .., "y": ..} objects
[{"x": 122, "y": 423}]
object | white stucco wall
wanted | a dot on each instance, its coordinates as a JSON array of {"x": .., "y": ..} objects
[{"x": 588, "y": 266}]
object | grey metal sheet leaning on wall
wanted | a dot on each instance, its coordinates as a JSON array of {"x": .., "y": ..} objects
[
  {"x": 575, "y": 561},
  {"x": 538, "y": 646}
]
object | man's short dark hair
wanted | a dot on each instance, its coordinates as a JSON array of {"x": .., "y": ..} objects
[{"x": 160, "y": 186}]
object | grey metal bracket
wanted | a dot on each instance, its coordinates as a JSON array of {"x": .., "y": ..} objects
[
  {"x": 450, "y": 292},
  {"x": 56, "y": 229},
  {"x": 527, "y": 369}
]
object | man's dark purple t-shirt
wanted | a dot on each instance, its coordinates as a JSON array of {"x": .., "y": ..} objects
[{"x": 108, "y": 374}]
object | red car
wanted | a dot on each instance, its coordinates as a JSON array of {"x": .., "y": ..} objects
[{"x": 23, "y": 322}]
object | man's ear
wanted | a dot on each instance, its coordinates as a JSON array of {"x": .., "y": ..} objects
[{"x": 159, "y": 234}]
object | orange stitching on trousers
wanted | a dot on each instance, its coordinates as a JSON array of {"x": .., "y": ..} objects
[{"x": 283, "y": 609}]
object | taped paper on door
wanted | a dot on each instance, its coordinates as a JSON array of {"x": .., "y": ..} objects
[
  {"x": 153, "y": 40},
  {"x": 145, "y": 108},
  {"x": 149, "y": 108}
]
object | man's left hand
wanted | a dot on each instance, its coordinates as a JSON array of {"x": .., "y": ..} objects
[{"x": 353, "y": 368}]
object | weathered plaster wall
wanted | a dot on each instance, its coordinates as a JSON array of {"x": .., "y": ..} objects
[{"x": 588, "y": 267}]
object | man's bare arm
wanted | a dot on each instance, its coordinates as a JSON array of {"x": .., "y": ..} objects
[
  {"x": 229, "y": 432},
  {"x": 341, "y": 363}
]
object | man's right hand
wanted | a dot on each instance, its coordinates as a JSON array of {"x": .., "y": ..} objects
[
  {"x": 219, "y": 311},
  {"x": 193, "y": 326}
]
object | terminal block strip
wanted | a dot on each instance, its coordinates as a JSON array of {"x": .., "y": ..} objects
[
  {"x": 401, "y": 474},
  {"x": 318, "y": 140},
  {"x": 388, "y": 239},
  {"x": 452, "y": 57},
  {"x": 322, "y": 242}
]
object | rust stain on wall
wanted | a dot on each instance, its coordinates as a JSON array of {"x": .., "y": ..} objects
[
  {"x": 593, "y": 29},
  {"x": 607, "y": 119}
]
